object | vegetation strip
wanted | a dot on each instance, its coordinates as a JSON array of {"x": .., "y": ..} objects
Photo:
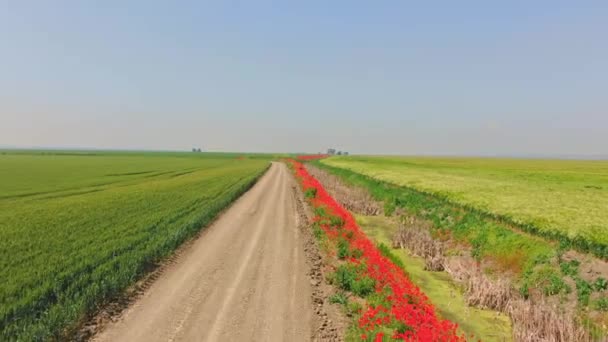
[{"x": 394, "y": 307}]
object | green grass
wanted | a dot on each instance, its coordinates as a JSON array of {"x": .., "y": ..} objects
[
  {"x": 76, "y": 229},
  {"x": 558, "y": 199},
  {"x": 485, "y": 325}
]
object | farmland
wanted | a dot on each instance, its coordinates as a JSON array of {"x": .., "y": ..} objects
[
  {"x": 77, "y": 228},
  {"x": 437, "y": 227},
  {"x": 560, "y": 199}
]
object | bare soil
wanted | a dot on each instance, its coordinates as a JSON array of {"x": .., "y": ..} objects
[{"x": 331, "y": 323}]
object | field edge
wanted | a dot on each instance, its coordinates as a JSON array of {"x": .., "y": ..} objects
[{"x": 578, "y": 243}]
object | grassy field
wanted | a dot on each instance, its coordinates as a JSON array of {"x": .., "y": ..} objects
[
  {"x": 78, "y": 228},
  {"x": 555, "y": 198}
]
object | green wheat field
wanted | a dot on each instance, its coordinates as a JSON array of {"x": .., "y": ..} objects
[{"x": 77, "y": 228}]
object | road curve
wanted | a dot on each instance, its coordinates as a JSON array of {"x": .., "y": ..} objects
[{"x": 244, "y": 279}]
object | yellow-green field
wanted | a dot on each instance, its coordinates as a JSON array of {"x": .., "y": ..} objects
[
  {"x": 556, "y": 198},
  {"x": 77, "y": 229}
]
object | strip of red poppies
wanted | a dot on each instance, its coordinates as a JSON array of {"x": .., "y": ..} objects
[{"x": 407, "y": 312}]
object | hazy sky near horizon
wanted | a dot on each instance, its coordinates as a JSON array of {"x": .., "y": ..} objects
[{"x": 449, "y": 77}]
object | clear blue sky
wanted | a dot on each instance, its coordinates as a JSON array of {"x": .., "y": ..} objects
[{"x": 450, "y": 77}]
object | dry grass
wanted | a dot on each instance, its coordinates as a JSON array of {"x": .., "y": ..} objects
[
  {"x": 532, "y": 321},
  {"x": 486, "y": 293},
  {"x": 354, "y": 199},
  {"x": 414, "y": 235},
  {"x": 536, "y": 322}
]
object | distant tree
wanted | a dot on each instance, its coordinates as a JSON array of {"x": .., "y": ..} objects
[
  {"x": 193, "y": 149},
  {"x": 339, "y": 153},
  {"x": 199, "y": 150}
]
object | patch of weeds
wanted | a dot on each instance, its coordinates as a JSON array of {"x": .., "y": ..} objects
[
  {"x": 547, "y": 279},
  {"x": 317, "y": 231},
  {"x": 600, "y": 284},
  {"x": 602, "y": 304},
  {"x": 527, "y": 273},
  {"x": 350, "y": 277},
  {"x": 583, "y": 291},
  {"x": 336, "y": 221},
  {"x": 353, "y": 308},
  {"x": 339, "y": 298},
  {"x": 379, "y": 298},
  {"x": 356, "y": 334},
  {"x": 363, "y": 286},
  {"x": 389, "y": 207},
  {"x": 524, "y": 290},
  {"x": 345, "y": 276},
  {"x": 564, "y": 246},
  {"x": 343, "y": 249},
  {"x": 570, "y": 268},
  {"x": 311, "y": 193},
  {"x": 556, "y": 285},
  {"x": 541, "y": 259},
  {"x": 350, "y": 307},
  {"x": 400, "y": 327},
  {"x": 478, "y": 243},
  {"x": 320, "y": 211}
]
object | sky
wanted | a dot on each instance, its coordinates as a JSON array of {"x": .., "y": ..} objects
[{"x": 372, "y": 77}]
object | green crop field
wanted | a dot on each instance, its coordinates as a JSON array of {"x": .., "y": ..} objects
[
  {"x": 555, "y": 198},
  {"x": 77, "y": 228}
]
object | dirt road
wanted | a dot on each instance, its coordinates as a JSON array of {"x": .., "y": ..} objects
[{"x": 245, "y": 278}]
